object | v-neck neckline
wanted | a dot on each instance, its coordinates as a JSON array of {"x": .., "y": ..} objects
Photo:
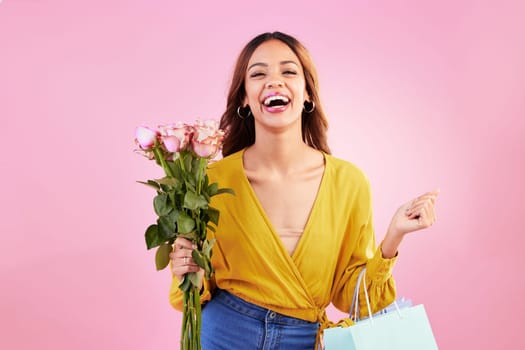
[{"x": 269, "y": 224}]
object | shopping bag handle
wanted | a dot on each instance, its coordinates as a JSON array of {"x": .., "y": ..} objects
[
  {"x": 354, "y": 308},
  {"x": 355, "y": 299}
]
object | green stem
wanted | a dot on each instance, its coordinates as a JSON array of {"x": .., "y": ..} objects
[
  {"x": 181, "y": 161},
  {"x": 160, "y": 157},
  {"x": 184, "y": 330},
  {"x": 202, "y": 164},
  {"x": 186, "y": 323},
  {"x": 197, "y": 316},
  {"x": 191, "y": 321}
]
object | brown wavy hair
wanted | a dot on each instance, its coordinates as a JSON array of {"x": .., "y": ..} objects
[{"x": 240, "y": 133}]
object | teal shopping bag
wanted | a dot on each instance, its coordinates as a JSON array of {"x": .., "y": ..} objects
[
  {"x": 405, "y": 329},
  {"x": 408, "y": 331}
]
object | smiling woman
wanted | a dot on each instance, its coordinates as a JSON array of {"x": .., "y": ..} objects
[
  {"x": 299, "y": 230},
  {"x": 275, "y": 87},
  {"x": 296, "y": 60}
]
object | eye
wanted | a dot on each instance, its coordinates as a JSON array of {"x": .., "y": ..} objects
[
  {"x": 290, "y": 72},
  {"x": 256, "y": 74}
]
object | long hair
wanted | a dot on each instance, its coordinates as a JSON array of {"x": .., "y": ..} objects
[{"x": 240, "y": 133}]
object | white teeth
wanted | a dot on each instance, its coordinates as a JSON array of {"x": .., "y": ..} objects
[{"x": 274, "y": 98}]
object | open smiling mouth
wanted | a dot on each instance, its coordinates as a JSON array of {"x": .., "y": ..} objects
[{"x": 276, "y": 102}]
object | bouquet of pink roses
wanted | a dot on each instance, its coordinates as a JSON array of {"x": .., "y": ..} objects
[{"x": 182, "y": 204}]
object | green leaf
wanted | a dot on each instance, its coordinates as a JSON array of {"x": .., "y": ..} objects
[
  {"x": 187, "y": 158},
  {"x": 192, "y": 236},
  {"x": 173, "y": 216},
  {"x": 203, "y": 261},
  {"x": 171, "y": 196},
  {"x": 208, "y": 270},
  {"x": 195, "y": 278},
  {"x": 190, "y": 184},
  {"x": 198, "y": 258},
  {"x": 185, "y": 224},
  {"x": 207, "y": 246},
  {"x": 185, "y": 284},
  {"x": 167, "y": 180},
  {"x": 213, "y": 214},
  {"x": 175, "y": 169},
  {"x": 161, "y": 205},
  {"x": 165, "y": 188},
  {"x": 213, "y": 188},
  {"x": 152, "y": 236},
  {"x": 167, "y": 228},
  {"x": 150, "y": 183},
  {"x": 162, "y": 257},
  {"x": 193, "y": 201},
  {"x": 211, "y": 228},
  {"x": 195, "y": 165},
  {"x": 226, "y": 190}
]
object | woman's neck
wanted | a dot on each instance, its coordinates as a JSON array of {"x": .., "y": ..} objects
[{"x": 279, "y": 152}]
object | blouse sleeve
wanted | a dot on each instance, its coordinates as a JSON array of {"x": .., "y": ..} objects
[{"x": 358, "y": 251}]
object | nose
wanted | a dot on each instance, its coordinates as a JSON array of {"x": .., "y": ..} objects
[{"x": 274, "y": 84}]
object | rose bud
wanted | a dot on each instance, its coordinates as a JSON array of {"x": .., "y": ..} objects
[
  {"x": 171, "y": 143},
  {"x": 205, "y": 149},
  {"x": 146, "y": 137}
]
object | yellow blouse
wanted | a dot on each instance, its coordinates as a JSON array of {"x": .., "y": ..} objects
[{"x": 252, "y": 263}]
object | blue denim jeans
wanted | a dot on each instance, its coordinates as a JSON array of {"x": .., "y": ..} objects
[{"x": 230, "y": 323}]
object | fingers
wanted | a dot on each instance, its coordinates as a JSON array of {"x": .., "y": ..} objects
[
  {"x": 431, "y": 196},
  {"x": 183, "y": 243},
  {"x": 426, "y": 217},
  {"x": 182, "y": 262},
  {"x": 422, "y": 209},
  {"x": 427, "y": 197}
]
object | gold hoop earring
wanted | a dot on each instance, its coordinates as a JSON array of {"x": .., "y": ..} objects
[
  {"x": 308, "y": 106},
  {"x": 240, "y": 109}
]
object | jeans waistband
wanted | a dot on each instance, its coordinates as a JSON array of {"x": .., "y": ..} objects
[{"x": 255, "y": 311}]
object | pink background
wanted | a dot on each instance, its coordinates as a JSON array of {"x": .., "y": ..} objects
[{"x": 419, "y": 95}]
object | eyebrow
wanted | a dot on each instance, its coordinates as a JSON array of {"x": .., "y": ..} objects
[{"x": 266, "y": 65}]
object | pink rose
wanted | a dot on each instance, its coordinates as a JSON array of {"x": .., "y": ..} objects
[
  {"x": 207, "y": 138},
  {"x": 176, "y": 137},
  {"x": 171, "y": 143},
  {"x": 204, "y": 150},
  {"x": 205, "y": 129},
  {"x": 146, "y": 137}
]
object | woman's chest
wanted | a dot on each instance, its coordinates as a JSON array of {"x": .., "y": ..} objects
[{"x": 287, "y": 203}]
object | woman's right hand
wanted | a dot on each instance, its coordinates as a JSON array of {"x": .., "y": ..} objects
[{"x": 181, "y": 260}]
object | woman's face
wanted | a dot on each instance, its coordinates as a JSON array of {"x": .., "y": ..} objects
[{"x": 275, "y": 86}]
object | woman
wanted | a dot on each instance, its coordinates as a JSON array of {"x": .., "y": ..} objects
[{"x": 299, "y": 229}]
